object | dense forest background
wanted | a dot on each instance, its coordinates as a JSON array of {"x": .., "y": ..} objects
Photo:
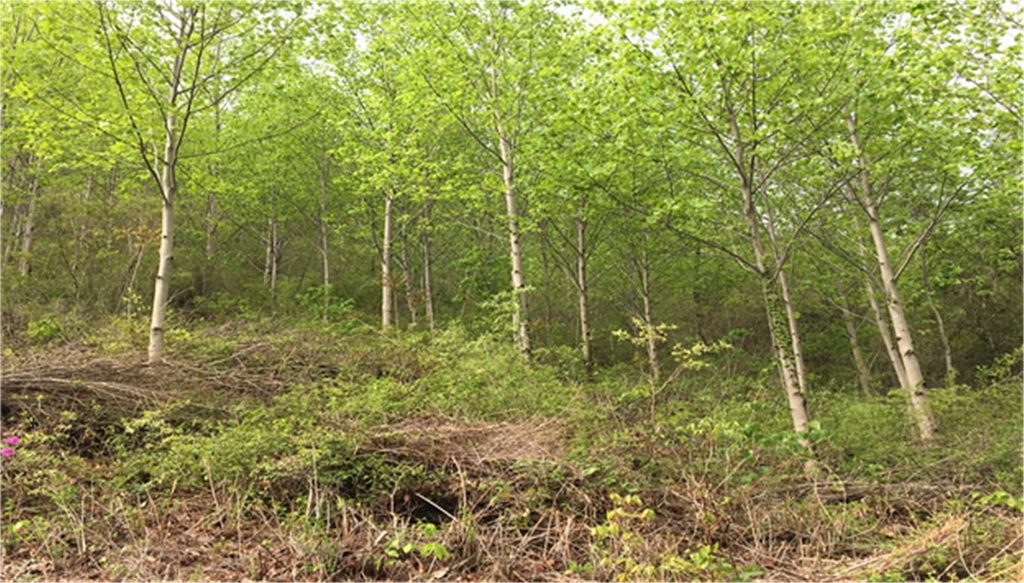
[{"x": 662, "y": 224}]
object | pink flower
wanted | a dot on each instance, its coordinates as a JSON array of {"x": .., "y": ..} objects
[
  {"x": 6, "y": 452},
  {"x": 12, "y": 440}
]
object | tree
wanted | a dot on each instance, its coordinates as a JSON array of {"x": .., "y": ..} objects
[{"x": 158, "y": 54}]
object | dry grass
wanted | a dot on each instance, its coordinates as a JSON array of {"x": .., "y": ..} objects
[{"x": 505, "y": 503}]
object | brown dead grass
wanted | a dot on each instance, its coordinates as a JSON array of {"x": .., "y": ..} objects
[{"x": 507, "y": 505}]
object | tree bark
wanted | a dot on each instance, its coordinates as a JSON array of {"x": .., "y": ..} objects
[
  {"x": 911, "y": 364},
  {"x": 407, "y": 279},
  {"x": 324, "y": 242},
  {"x": 645, "y": 297},
  {"x": 83, "y": 231},
  {"x": 581, "y": 287},
  {"x": 774, "y": 307},
  {"x": 168, "y": 187},
  {"x": 775, "y": 312},
  {"x": 863, "y": 374},
  {"x": 885, "y": 331},
  {"x": 273, "y": 255},
  {"x": 387, "y": 285},
  {"x": 428, "y": 294},
  {"x": 787, "y": 299},
  {"x": 28, "y": 226},
  {"x": 881, "y": 320},
  {"x": 947, "y": 351},
  {"x": 520, "y": 318},
  {"x": 210, "y": 246}
]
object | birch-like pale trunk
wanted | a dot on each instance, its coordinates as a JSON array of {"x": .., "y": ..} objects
[
  {"x": 787, "y": 297},
  {"x": 881, "y": 320},
  {"x": 775, "y": 313},
  {"x": 885, "y": 332},
  {"x": 83, "y": 231},
  {"x": 269, "y": 240},
  {"x": 273, "y": 256},
  {"x": 947, "y": 351},
  {"x": 210, "y": 245},
  {"x": 387, "y": 285},
  {"x": 168, "y": 187},
  {"x": 774, "y": 306},
  {"x": 863, "y": 374},
  {"x": 581, "y": 288},
  {"x": 643, "y": 268},
  {"x": 324, "y": 243},
  {"x": 520, "y": 318},
  {"x": 407, "y": 277},
  {"x": 28, "y": 227},
  {"x": 428, "y": 294},
  {"x": 904, "y": 340}
]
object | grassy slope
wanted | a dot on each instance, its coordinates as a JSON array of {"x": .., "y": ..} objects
[{"x": 328, "y": 453}]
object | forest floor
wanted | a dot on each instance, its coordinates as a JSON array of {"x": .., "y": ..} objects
[{"x": 257, "y": 454}]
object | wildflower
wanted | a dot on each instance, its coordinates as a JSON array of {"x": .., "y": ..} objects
[
  {"x": 6, "y": 452},
  {"x": 12, "y": 440}
]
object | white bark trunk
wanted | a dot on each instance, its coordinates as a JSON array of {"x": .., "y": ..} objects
[
  {"x": 581, "y": 287},
  {"x": 428, "y": 294},
  {"x": 161, "y": 291},
  {"x": 774, "y": 308},
  {"x": 275, "y": 256},
  {"x": 863, "y": 374},
  {"x": 324, "y": 244},
  {"x": 407, "y": 279},
  {"x": 885, "y": 331},
  {"x": 787, "y": 369},
  {"x": 269, "y": 240},
  {"x": 520, "y": 318},
  {"x": 645, "y": 297},
  {"x": 947, "y": 351},
  {"x": 387, "y": 285},
  {"x": 915, "y": 379},
  {"x": 27, "y": 228}
]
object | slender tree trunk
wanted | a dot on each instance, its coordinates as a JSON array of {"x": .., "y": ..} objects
[
  {"x": 169, "y": 187},
  {"x": 27, "y": 228},
  {"x": 269, "y": 240},
  {"x": 881, "y": 320},
  {"x": 581, "y": 287},
  {"x": 428, "y": 293},
  {"x": 520, "y": 319},
  {"x": 794, "y": 331},
  {"x": 210, "y": 244},
  {"x": 774, "y": 306},
  {"x": 83, "y": 231},
  {"x": 911, "y": 364},
  {"x": 775, "y": 312},
  {"x": 407, "y": 279},
  {"x": 885, "y": 331},
  {"x": 545, "y": 260},
  {"x": 387, "y": 284},
  {"x": 947, "y": 351},
  {"x": 645, "y": 297},
  {"x": 787, "y": 298},
  {"x": 275, "y": 257},
  {"x": 15, "y": 234},
  {"x": 206, "y": 273},
  {"x": 324, "y": 243},
  {"x": 863, "y": 374}
]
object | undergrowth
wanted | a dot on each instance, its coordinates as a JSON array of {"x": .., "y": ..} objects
[{"x": 328, "y": 452}]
